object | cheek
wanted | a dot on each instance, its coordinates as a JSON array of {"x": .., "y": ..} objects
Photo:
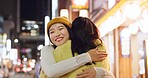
[
  {"x": 52, "y": 38},
  {"x": 65, "y": 32},
  {"x": 67, "y": 35}
]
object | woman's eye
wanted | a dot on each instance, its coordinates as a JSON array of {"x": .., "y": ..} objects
[
  {"x": 61, "y": 28},
  {"x": 51, "y": 32}
]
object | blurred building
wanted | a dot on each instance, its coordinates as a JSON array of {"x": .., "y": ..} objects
[
  {"x": 22, "y": 24},
  {"x": 122, "y": 25}
]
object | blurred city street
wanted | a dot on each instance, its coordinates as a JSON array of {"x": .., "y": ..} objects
[
  {"x": 21, "y": 75},
  {"x": 122, "y": 26}
]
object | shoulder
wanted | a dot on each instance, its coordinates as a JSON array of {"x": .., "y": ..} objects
[
  {"x": 99, "y": 41},
  {"x": 47, "y": 50},
  {"x": 47, "y": 47}
]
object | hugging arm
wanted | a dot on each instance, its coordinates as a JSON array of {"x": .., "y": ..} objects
[
  {"x": 103, "y": 73},
  {"x": 53, "y": 69},
  {"x": 95, "y": 71},
  {"x": 91, "y": 73}
]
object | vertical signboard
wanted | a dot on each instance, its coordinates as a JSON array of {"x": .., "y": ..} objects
[
  {"x": 3, "y": 38},
  {"x": 125, "y": 42},
  {"x": 47, "y": 18}
]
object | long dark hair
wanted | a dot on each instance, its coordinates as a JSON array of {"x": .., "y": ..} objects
[
  {"x": 69, "y": 31},
  {"x": 84, "y": 32}
]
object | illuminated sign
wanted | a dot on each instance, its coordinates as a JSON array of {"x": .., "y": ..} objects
[{"x": 80, "y": 4}]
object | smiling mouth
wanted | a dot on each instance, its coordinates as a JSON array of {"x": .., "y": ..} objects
[{"x": 58, "y": 39}]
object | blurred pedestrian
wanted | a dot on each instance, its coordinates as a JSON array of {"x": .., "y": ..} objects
[
  {"x": 6, "y": 71},
  {"x": 37, "y": 69}
]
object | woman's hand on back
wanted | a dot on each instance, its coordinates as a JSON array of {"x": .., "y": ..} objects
[
  {"x": 96, "y": 55},
  {"x": 87, "y": 73}
]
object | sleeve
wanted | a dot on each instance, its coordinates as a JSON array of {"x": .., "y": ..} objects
[
  {"x": 103, "y": 73},
  {"x": 53, "y": 69}
]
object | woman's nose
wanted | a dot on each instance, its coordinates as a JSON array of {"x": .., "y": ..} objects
[{"x": 58, "y": 33}]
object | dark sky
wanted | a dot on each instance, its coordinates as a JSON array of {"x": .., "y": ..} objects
[{"x": 28, "y": 9}]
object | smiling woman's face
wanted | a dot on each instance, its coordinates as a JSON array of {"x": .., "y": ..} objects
[{"x": 58, "y": 34}]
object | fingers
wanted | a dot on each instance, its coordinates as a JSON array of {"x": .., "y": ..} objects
[
  {"x": 102, "y": 52},
  {"x": 101, "y": 59},
  {"x": 82, "y": 75},
  {"x": 96, "y": 55},
  {"x": 102, "y": 55}
]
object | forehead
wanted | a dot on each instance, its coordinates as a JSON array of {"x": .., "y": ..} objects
[{"x": 57, "y": 25}]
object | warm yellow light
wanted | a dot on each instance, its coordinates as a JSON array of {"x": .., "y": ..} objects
[
  {"x": 64, "y": 12},
  {"x": 144, "y": 26},
  {"x": 83, "y": 13},
  {"x": 16, "y": 40},
  {"x": 125, "y": 33},
  {"x": 132, "y": 10},
  {"x": 80, "y": 2},
  {"x": 125, "y": 42},
  {"x": 145, "y": 14},
  {"x": 134, "y": 28}
]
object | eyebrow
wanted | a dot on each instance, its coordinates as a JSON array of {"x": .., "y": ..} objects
[
  {"x": 51, "y": 29},
  {"x": 60, "y": 26}
]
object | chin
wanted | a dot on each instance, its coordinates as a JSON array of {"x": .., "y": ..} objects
[{"x": 59, "y": 44}]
